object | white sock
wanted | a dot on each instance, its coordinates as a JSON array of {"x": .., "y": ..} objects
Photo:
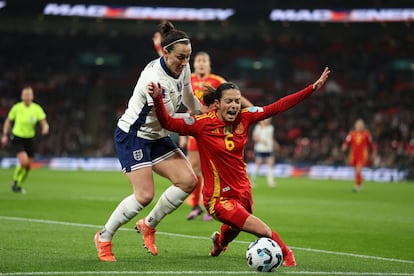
[
  {"x": 124, "y": 212},
  {"x": 169, "y": 201},
  {"x": 254, "y": 174},
  {"x": 270, "y": 179},
  {"x": 253, "y": 177}
]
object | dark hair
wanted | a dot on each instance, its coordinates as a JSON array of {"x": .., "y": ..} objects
[
  {"x": 201, "y": 53},
  {"x": 216, "y": 94},
  {"x": 170, "y": 34}
]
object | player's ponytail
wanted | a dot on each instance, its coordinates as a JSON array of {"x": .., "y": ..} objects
[
  {"x": 209, "y": 95},
  {"x": 166, "y": 27},
  {"x": 215, "y": 94},
  {"x": 171, "y": 36}
]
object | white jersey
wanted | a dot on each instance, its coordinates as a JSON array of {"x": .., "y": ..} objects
[
  {"x": 139, "y": 117},
  {"x": 265, "y": 134}
]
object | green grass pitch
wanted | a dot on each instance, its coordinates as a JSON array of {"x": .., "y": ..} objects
[{"x": 333, "y": 231}]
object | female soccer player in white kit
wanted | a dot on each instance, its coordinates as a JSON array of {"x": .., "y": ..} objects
[
  {"x": 264, "y": 148},
  {"x": 143, "y": 146}
]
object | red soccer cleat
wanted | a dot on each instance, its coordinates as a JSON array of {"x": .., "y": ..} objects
[
  {"x": 104, "y": 250},
  {"x": 289, "y": 259},
  {"x": 216, "y": 248},
  {"x": 148, "y": 234}
]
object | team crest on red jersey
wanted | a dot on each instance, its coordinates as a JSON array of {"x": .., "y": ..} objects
[
  {"x": 227, "y": 205},
  {"x": 239, "y": 128}
]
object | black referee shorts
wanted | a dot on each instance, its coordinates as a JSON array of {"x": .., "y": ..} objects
[{"x": 18, "y": 144}]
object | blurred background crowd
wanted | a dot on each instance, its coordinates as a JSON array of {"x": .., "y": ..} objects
[{"x": 83, "y": 78}]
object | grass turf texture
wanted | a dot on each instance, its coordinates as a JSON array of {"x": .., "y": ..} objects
[{"x": 331, "y": 229}]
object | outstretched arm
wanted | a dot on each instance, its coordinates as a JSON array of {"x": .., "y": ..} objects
[{"x": 322, "y": 79}]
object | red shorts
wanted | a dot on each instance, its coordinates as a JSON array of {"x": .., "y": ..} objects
[
  {"x": 192, "y": 144},
  {"x": 359, "y": 162},
  {"x": 231, "y": 211}
]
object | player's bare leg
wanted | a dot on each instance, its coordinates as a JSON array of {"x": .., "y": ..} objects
[
  {"x": 270, "y": 161},
  {"x": 258, "y": 164},
  {"x": 358, "y": 178},
  {"x": 178, "y": 170}
]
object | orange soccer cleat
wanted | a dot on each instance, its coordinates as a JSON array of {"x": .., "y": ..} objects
[
  {"x": 148, "y": 234},
  {"x": 104, "y": 249}
]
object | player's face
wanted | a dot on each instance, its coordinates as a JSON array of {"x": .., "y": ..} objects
[
  {"x": 359, "y": 125},
  {"x": 229, "y": 105},
  {"x": 27, "y": 95},
  {"x": 178, "y": 58},
  {"x": 202, "y": 65}
]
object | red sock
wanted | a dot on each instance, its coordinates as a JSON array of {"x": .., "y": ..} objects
[
  {"x": 227, "y": 234},
  {"x": 279, "y": 241},
  {"x": 358, "y": 179},
  {"x": 195, "y": 195}
]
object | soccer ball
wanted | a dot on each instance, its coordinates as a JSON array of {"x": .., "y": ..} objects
[{"x": 264, "y": 255}]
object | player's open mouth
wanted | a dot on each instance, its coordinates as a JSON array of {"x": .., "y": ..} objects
[{"x": 231, "y": 114}]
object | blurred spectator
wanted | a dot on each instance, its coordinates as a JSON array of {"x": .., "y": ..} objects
[{"x": 83, "y": 97}]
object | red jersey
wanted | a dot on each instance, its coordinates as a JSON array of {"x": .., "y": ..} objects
[
  {"x": 198, "y": 84},
  {"x": 360, "y": 142},
  {"x": 222, "y": 149},
  {"x": 199, "y": 88}
]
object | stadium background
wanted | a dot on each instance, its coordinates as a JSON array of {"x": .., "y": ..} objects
[{"x": 83, "y": 71}]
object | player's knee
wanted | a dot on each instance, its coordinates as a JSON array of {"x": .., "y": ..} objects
[
  {"x": 144, "y": 197},
  {"x": 192, "y": 182},
  {"x": 26, "y": 164},
  {"x": 263, "y": 231},
  {"x": 188, "y": 182}
]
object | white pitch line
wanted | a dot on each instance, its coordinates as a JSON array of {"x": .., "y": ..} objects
[
  {"x": 200, "y": 273},
  {"x": 354, "y": 255},
  {"x": 206, "y": 238}
]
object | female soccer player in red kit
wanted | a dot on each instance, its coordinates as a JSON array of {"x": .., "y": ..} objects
[
  {"x": 200, "y": 80},
  {"x": 223, "y": 133},
  {"x": 360, "y": 141}
]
